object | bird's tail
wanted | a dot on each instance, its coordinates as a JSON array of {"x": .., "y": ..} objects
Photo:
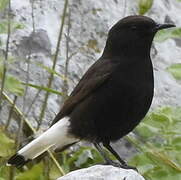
[{"x": 57, "y": 136}]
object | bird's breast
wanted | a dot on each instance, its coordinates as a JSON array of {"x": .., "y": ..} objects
[{"x": 120, "y": 103}]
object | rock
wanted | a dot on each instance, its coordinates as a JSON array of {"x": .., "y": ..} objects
[
  {"x": 101, "y": 172},
  {"x": 36, "y": 42}
]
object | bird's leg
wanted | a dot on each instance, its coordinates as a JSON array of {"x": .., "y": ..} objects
[
  {"x": 106, "y": 158},
  {"x": 103, "y": 154},
  {"x": 123, "y": 163},
  {"x": 108, "y": 146}
]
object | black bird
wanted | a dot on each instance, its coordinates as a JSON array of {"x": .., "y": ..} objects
[{"x": 112, "y": 97}]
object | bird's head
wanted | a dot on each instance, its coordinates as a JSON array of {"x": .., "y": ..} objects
[{"x": 133, "y": 31}]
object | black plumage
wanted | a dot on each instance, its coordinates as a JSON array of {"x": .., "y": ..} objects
[{"x": 116, "y": 92}]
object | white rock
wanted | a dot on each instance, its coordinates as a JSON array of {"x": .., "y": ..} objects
[{"x": 101, "y": 172}]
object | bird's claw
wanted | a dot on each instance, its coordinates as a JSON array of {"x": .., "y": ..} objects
[{"x": 124, "y": 166}]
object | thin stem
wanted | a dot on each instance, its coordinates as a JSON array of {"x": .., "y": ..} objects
[
  {"x": 134, "y": 141},
  {"x": 65, "y": 86},
  {"x": 56, "y": 163},
  {"x": 6, "y": 53},
  {"x": 19, "y": 134},
  {"x": 46, "y": 170},
  {"x": 10, "y": 113},
  {"x": 54, "y": 64},
  {"x": 11, "y": 172},
  {"x": 29, "y": 55},
  {"x": 33, "y": 101},
  {"x": 27, "y": 80},
  {"x": 18, "y": 111},
  {"x": 32, "y": 15},
  {"x": 125, "y": 7}
]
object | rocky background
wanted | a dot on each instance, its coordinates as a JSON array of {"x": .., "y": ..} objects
[{"x": 33, "y": 47}]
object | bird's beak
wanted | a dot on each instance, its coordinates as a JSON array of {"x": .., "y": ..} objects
[{"x": 163, "y": 26}]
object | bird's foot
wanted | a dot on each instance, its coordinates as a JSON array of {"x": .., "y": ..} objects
[
  {"x": 125, "y": 166},
  {"x": 117, "y": 164}
]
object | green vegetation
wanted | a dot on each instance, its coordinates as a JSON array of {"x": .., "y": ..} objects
[
  {"x": 160, "y": 144},
  {"x": 3, "y": 4},
  {"x": 11, "y": 84},
  {"x": 144, "y": 6},
  {"x": 163, "y": 35},
  {"x": 175, "y": 70},
  {"x": 14, "y": 26}
]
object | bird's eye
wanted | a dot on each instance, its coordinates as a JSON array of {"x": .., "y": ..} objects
[{"x": 133, "y": 28}]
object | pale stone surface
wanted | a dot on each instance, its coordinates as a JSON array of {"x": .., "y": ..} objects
[{"x": 100, "y": 172}]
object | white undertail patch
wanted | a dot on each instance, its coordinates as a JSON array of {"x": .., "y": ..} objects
[{"x": 57, "y": 136}]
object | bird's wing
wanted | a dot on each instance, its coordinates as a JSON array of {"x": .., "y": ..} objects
[{"x": 97, "y": 74}]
